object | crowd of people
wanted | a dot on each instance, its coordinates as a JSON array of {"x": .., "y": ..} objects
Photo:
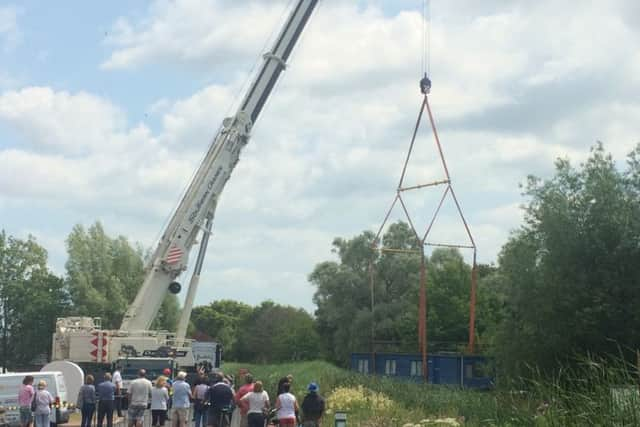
[{"x": 211, "y": 401}]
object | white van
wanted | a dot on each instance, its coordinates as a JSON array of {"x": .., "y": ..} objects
[{"x": 10, "y": 387}]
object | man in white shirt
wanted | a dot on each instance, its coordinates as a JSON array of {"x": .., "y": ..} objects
[
  {"x": 139, "y": 393},
  {"x": 116, "y": 379}
]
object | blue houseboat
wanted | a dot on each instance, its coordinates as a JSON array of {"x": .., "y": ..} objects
[{"x": 468, "y": 371}]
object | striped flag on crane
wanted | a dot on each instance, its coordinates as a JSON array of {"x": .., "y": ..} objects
[{"x": 174, "y": 254}]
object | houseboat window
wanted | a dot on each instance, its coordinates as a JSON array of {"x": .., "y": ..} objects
[
  {"x": 363, "y": 366},
  {"x": 468, "y": 371},
  {"x": 416, "y": 368},
  {"x": 478, "y": 369},
  {"x": 390, "y": 367}
]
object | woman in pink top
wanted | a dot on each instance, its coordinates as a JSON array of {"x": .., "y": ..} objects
[{"x": 25, "y": 396}]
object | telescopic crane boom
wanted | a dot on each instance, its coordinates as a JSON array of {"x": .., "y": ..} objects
[{"x": 197, "y": 206}]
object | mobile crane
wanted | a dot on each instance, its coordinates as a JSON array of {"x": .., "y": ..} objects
[{"x": 82, "y": 340}]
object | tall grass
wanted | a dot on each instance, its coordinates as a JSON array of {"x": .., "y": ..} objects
[
  {"x": 413, "y": 402},
  {"x": 592, "y": 392}
]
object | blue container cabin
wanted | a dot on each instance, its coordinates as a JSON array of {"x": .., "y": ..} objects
[{"x": 468, "y": 371}]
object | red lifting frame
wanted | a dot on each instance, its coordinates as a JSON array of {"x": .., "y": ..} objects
[{"x": 422, "y": 242}]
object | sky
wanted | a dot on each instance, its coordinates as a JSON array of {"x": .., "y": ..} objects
[{"x": 106, "y": 109}]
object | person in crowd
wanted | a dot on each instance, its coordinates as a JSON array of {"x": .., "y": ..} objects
[
  {"x": 229, "y": 380},
  {"x": 181, "y": 400},
  {"x": 139, "y": 393},
  {"x": 43, "y": 402},
  {"x": 287, "y": 407},
  {"x": 199, "y": 393},
  {"x": 247, "y": 387},
  {"x": 159, "y": 402},
  {"x": 255, "y": 404},
  {"x": 87, "y": 401},
  {"x": 106, "y": 392},
  {"x": 169, "y": 386},
  {"x": 116, "y": 379},
  {"x": 312, "y": 407},
  {"x": 283, "y": 380},
  {"x": 25, "y": 397},
  {"x": 220, "y": 401},
  {"x": 167, "y": 374}
]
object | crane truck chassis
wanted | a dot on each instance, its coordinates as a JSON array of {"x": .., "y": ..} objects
[{"x": 82, "y": 339}]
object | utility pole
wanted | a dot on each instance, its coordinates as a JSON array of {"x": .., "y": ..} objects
[{"x": 4, "y": 334}]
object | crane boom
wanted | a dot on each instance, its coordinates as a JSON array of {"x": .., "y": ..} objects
[{"x": 171, "y": 256}]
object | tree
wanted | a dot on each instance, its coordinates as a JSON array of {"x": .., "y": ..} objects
[
  {"x": 222, "y": 321},
  {"x": 273, "y": 333},
  {"x": 104, "y": 275},
  {"x": 343, "y": 295},
  {"x": 448, "y": 301},
  {"x": 490, "y": 306},
  {"x": 572, "y": 269},
  {"x": 31, "y": 299}
]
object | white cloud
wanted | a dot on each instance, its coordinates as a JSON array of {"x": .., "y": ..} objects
[
  {"x": 10, "y": 34},
  {"x": 77, "y": 123},
  {"x": 192, "y": 31},
  {"x": 325, "y": 157}
]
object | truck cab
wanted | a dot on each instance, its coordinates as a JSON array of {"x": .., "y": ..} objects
[{"x": 130, "y": 367}]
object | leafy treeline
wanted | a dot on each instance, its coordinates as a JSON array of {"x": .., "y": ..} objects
[
  {"x": 570, "y": 275},
  {"x": 267, "y": 333},
  {"x": 31, "y": 298},
  {"x": 567, "y": 281},
  {"x": 343, "y": 295},
  {"x": 103, "y": 275}
]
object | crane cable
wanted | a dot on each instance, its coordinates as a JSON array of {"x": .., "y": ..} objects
[
  {"x": 425, "y": 83},
  {"x": 426, "y": 37}
]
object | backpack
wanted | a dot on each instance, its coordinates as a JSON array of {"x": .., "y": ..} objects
[{"x": 312, "y": 406}]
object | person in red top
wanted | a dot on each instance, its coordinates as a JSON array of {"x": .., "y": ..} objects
[{"x": 244, "y": 389}]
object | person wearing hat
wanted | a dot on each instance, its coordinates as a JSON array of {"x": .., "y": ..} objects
[
  {"x": 312, "y": 407},
  {"x": 43, "y": 401}
]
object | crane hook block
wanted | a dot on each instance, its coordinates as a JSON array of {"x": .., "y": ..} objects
[{"x": 425, "y": 85}]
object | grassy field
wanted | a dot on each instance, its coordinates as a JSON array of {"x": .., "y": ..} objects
[
  {"x": 380, "y": 402},
  {"x": 593, "y": 393}
]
